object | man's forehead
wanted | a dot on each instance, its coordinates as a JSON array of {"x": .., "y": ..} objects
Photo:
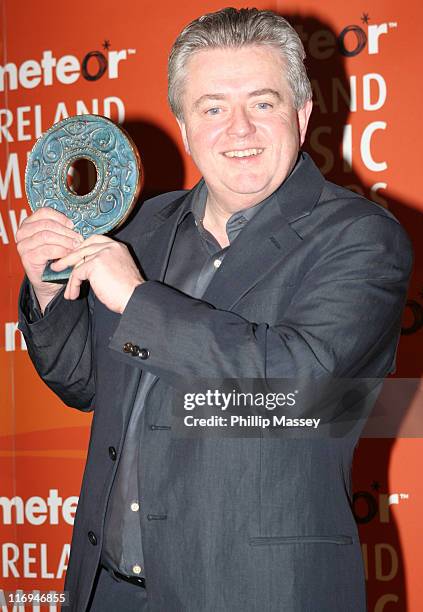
[
  {"x": 245, "y": 70},
  {"x": 268, "y": 54}
]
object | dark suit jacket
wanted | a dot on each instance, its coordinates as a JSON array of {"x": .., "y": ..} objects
[{"x": 313, "y": 286}]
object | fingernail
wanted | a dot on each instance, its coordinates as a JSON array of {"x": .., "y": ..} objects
[
  {"x": 69, "y": 223},
  {"x": 76, "y": 243}
]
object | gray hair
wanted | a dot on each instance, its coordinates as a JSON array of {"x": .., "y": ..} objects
[{"x": 233, "y": 28}]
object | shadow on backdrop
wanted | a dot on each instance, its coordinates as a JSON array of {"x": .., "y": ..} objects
[{"x": 160, "y": 155}]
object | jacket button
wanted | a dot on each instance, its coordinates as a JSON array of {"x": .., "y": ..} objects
[
  {"x": 92, "y": 538},
  {"x": 112, "y": 453},
  {"x": 128, "y": 347},
  {"x": 144, "y": 353}
]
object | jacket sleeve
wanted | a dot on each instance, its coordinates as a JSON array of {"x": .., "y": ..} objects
[
  {"x": 344, "y": 319},
  {"x": 59, "y": 345}
]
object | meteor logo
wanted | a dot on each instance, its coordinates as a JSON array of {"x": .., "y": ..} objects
[{"x": 49, "y": 70}]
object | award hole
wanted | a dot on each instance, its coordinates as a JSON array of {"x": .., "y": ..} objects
[{"x": 81, "y": 176}]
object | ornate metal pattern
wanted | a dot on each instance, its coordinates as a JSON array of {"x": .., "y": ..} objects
[{"x": 118, "y": 166}]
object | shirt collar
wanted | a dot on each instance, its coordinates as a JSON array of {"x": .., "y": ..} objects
[
  {"x": 234, "y": 224},
  {"x": 239, "y": 219}
]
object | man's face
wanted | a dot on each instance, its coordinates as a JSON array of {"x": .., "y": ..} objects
[{"x": 240, "y": 125}]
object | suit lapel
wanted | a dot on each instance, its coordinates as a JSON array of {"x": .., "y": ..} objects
[
  {"x": 268, "y": 238},
  {"x": 264, "y": 242},
  {"x": 252, "y": 255},
  {"x": 154, "y": 251}
]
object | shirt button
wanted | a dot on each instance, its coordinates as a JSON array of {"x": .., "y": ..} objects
[
  {"x": 137, "y": 569},
  {"x": 135, "y": 506},
  {"x": 112, "y": 453},
  {"x": 217, "y": 263},
  {"x": 143, "y": 353}
]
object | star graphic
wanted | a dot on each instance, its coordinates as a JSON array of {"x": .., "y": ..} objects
[
  {"x": 106, "y": 44},
  {"x": 365, "y": 18},
  {"x": 375, "y": 485}
]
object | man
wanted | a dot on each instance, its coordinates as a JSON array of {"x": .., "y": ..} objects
[{"x": 264, "y": 270}]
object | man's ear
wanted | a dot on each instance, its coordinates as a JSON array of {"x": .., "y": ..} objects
[
  {"x": 303, "y": 117},
  {"x": 184, "y": 135}
]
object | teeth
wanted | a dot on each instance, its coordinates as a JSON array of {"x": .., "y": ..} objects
[{"x": 244, "y": 153}]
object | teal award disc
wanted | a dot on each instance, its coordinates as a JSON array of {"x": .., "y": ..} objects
[{"x": 118, "y": 181}]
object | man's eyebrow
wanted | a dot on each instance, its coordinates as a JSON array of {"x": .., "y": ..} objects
[
  {"x": 206, "y": 97},
  {"x": 264, "y": 92},
  {"x": 220, "y": 96}
]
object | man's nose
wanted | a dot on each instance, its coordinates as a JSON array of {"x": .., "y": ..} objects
[{"x": 240, "y": 123}]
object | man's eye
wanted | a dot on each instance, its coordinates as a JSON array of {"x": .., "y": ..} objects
[
  {"x": 213, "y": 111},
  {"x": 264, "y": 105}
]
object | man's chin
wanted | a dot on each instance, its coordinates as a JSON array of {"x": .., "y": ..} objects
[{"x": 254, "y": 189}]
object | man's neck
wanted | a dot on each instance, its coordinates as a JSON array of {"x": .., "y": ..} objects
[
  {"x": 218, "y": 213},
  {"x": 214, "y": 221}
]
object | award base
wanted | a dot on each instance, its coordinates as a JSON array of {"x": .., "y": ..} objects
[{"x": 50, "y": 276}]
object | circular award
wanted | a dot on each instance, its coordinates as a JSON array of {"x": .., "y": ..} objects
[{"x": 118, "y": 175}]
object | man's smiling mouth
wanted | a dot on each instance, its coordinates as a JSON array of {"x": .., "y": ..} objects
[{"x": 243, "y": 153}]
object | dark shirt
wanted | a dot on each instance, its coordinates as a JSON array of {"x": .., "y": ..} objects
[{"x": 195, "y": 258}]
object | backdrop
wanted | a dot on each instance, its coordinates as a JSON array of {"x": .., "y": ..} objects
[{"x": 60, "y": 59}]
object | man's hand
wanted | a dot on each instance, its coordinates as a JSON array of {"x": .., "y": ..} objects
[
  {"x": 109, "y": 268},
  {"x": 46, "y": 234}
]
